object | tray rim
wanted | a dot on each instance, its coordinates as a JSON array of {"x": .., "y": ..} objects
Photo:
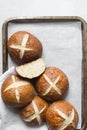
[{"x": 54, "y": 19}]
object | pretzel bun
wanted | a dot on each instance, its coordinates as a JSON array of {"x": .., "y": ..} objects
[
  {"x": 32, "y": 69},
  {"x": 17, "y": 92},
  {"x": 23, "y": 47},
  {"x": 35, "y": 113},
  {"x": 61, "y": 115},
  {"x": 52, "y": 84}
]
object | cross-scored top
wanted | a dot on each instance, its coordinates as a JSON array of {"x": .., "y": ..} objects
[
  {"x": 16, "y": 85},
  {"x": 52, "y": 85},
  {"x": 68, "y": 119},
  {"x": 36, "y": 115},
  {"x": 22, "y": 46}
]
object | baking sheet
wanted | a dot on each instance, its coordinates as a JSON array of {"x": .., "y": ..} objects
[{"x": 62, "y": 47}]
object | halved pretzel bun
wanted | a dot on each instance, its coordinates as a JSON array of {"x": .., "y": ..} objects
[
  {"x": 61, "y": 115},
  {"x": 52, "y": 84},
  {"x": 24, "y": 47},
  {"x": 32, "y": 69},
  {"x": 16, "y": 91},
  {"x": 35, "y": 112}
]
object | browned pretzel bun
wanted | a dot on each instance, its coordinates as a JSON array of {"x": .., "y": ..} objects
[
  {"x": 61, "y": 115},
  {"x": 52, "y": 84},
  {"x": 24, "y": 47},
  {"x": 16, "y": 91},
  {"x": 35, "y": 112}
]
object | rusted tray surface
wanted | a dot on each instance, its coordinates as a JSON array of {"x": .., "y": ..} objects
[{"x": 84, "y": 51}]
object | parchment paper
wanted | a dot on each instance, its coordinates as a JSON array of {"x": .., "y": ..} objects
[{"x": 62, "y": 47}]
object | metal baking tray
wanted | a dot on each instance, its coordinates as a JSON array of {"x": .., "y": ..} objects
[{"x": 54, "y": 19}]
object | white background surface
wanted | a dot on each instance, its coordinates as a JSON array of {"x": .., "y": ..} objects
[{"x": 13, "y": 8}]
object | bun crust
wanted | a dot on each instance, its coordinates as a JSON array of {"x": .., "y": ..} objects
[
  {"x": 24, "y": 47},
  {"x": 61, "y": 115},
  {"x": 16, "y": 91},
  {"x": 52, "y": 84},
  {"x": 35, "y": 112}
]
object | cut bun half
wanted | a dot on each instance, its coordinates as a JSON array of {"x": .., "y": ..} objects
[{"x": 32, "y": 69}]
